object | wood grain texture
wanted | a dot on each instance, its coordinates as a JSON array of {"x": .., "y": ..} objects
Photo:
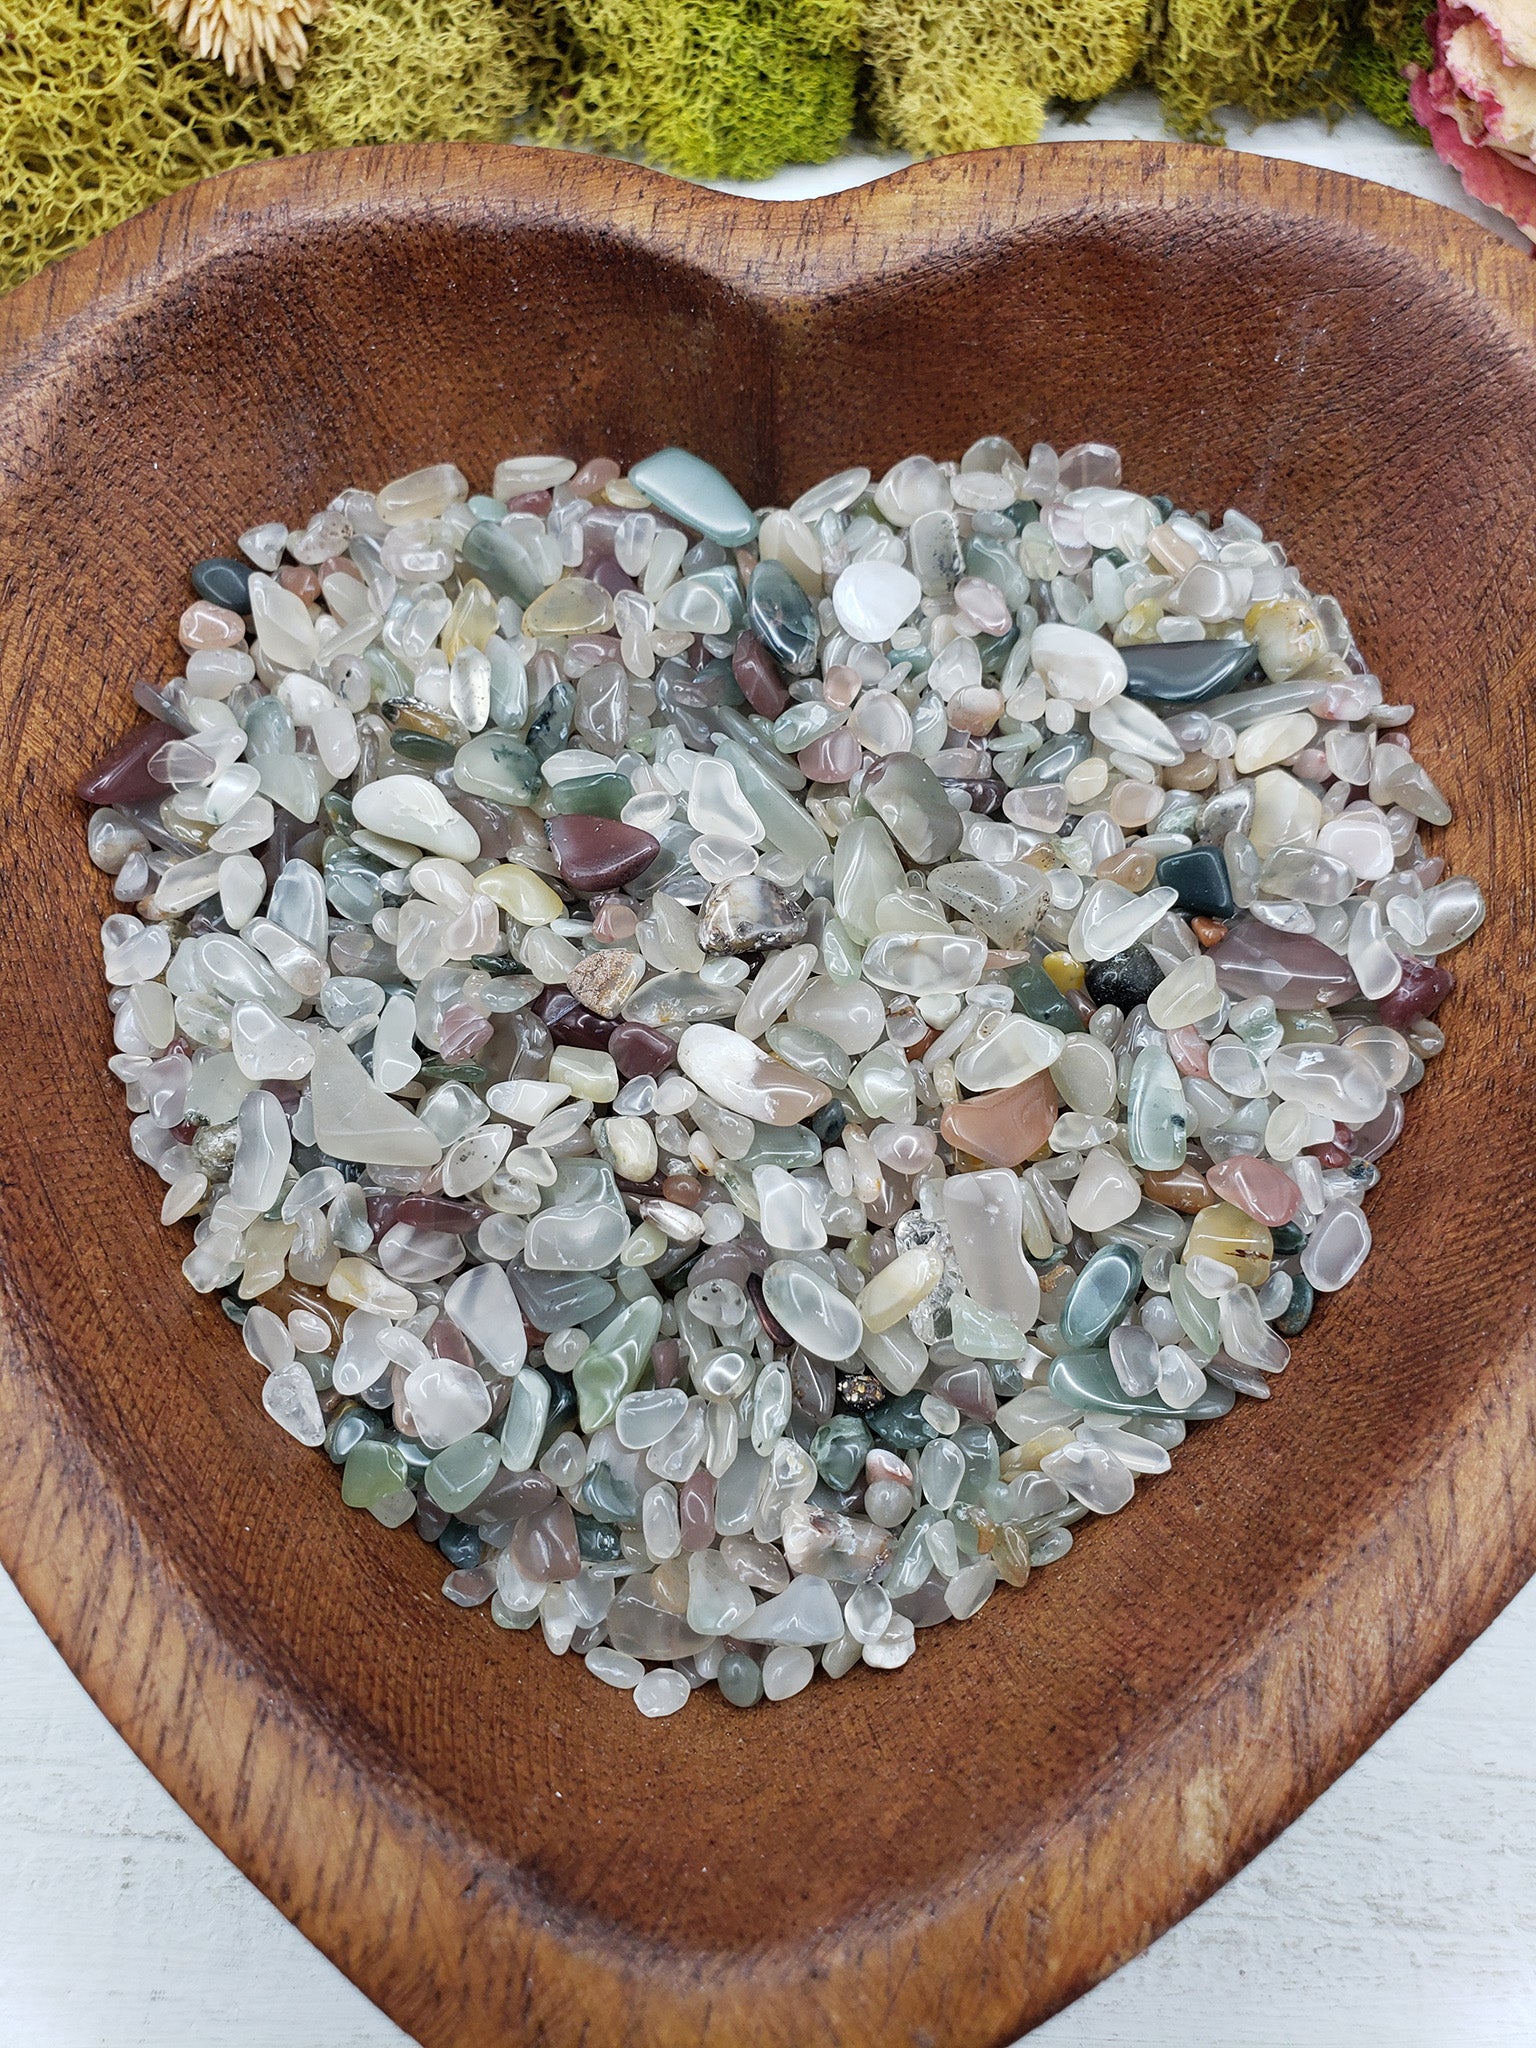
[{"x": 495, "y": 1848}]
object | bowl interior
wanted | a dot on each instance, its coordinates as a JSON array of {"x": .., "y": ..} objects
[{"x": 288, "y": 338}]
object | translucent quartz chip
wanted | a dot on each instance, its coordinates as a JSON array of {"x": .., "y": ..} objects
[
  {"x": 1106, "y": 1191},
  {"x": 1132, "y": 728},
  {"x": 573, "y": 605},
  {"x": 718, "y": 1603},
  {"x": 806, "y": 1614},
  {"x": 774, "y": 987},
  {"x": 188, "y": 883},
  {"x": 833, "y": 494},
  {"x": 481, "y": 1303},
  {"x": 1236, "y": 1068},
  {"x": 264, "y": 544},
  {"x": 576, "y": 1239},
  {"x": 614, "y": 1668},
  {"x": 611, "y": 1365},
  {"x": 644, "y": 1419},
  {"x": 1133, "y": 1354},
  {"x": 527, "y": 1416},
  {"x": 1110, "y": 919},
  {"x": 133, "y": 952},
  {"x": 661, "y": 1692},
  {"x": 898, "y": 1288},
  {"x": 896, "y": 1357},
  {"x": 1294, "y": 971},
  {"x": 1329, "y": 1080},
  {"x": 1396, "y": 778},
  {"x": 927, "y": 964},
  {"x": 521, "y": 893},
  {"x": 778, "y": 610},
  {"x": 1360, "y": 837},
  {"x": 1444, "y": 916},
  {"x": 882, "y": 724},
  {"x": 1271, "y": 740},
  {"x": 1246, "y": 1336},
  {"x": 738, "y": 1075},
  {"x": 660, "y": 1525},
  {"x": 680, "y": 999},
  {"x": 1186, "y": 995},
  {"x": 848, "y": 1013},
  {"x": 1180, "y": 1382},
  {"x": 788, "y": 1217},
  {"x": 1006, "y": 905},
  {"x": 873, "y": 598},
  {"x": 693, "y": 606},
  {"x": 716, "y": 803},
  {"x": 424, "y": 494},
  {"x": 460, "y": 1474},
  {"x": 1156, "y": 1114},
  {"x": 1337, "y": 1247},
  {"x": 895, "y": 1648},
  {"x": 359, "y": 1360},
  {"x": 865, "y": 870},
  {"x": 410, "y": 809},
  {"x": 1015, "y": 1050},
  {"x": 265, "y": 1048},
  {"x": 913, "y": 805},
  {"x": 984, "y": 1213},
  {"x": 590, "y": 1076},
  {"x": 1376, "y": 965},
  {"x": 1137, "y": 1453},
  {"x": 284, "y": 630},
  {"x": 884, "y": 1086},
  {"x": 1307, "y": 875},
  {"x": 354, "y": 1119},
  {"x": 788, "y": 826},
  {"x": 520, "y": 473},
  {"x": 1285, "y": 813},
  {"x": 1085, "y": 1074},
  {"x": 970, "y": 1588},
  {"x": 1092, "y": 1475},
  {"x": 448, "y": 1401},
  {"x": 289, "y": 1397},
  {"x": 360, "y": 1284},
  {"x": 812, "y": 1311},
  {"x": 262, "y": 1155},
  {"x": 496, "y": 766},
  {"x": 1081, "y": 668},
  {"x": 1256, "y": 1187}
]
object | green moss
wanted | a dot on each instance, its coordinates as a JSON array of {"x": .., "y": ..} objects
[
  {"x": 1270, "y": 57},
  {"x": 712, "y": 88},
  {"x": 1388, "y": 35},
  {"x": 969, "y": 74},
  {"x": 417, "y": 71},
  {"x": 101, "y": 113}
]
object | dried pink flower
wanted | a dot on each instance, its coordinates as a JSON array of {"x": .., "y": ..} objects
[{"x": 1478, "y": 101}]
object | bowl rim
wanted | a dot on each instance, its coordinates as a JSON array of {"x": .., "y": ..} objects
[{"x": 134, "y": 1634}]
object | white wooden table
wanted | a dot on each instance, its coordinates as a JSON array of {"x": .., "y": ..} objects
[{"x": 1399, "y": 1910}]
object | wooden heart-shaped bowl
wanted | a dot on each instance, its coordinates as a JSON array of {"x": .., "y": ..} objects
[{"x": 496, "y": 1848}]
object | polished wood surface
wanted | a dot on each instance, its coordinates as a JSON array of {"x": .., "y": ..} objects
[{"x": 497, "y": 1848}]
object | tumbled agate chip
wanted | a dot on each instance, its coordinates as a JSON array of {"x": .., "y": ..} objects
[{"x": 748, "y": 1070}]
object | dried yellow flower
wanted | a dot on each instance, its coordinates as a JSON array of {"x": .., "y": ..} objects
[{"x": 246, "y": 36}]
